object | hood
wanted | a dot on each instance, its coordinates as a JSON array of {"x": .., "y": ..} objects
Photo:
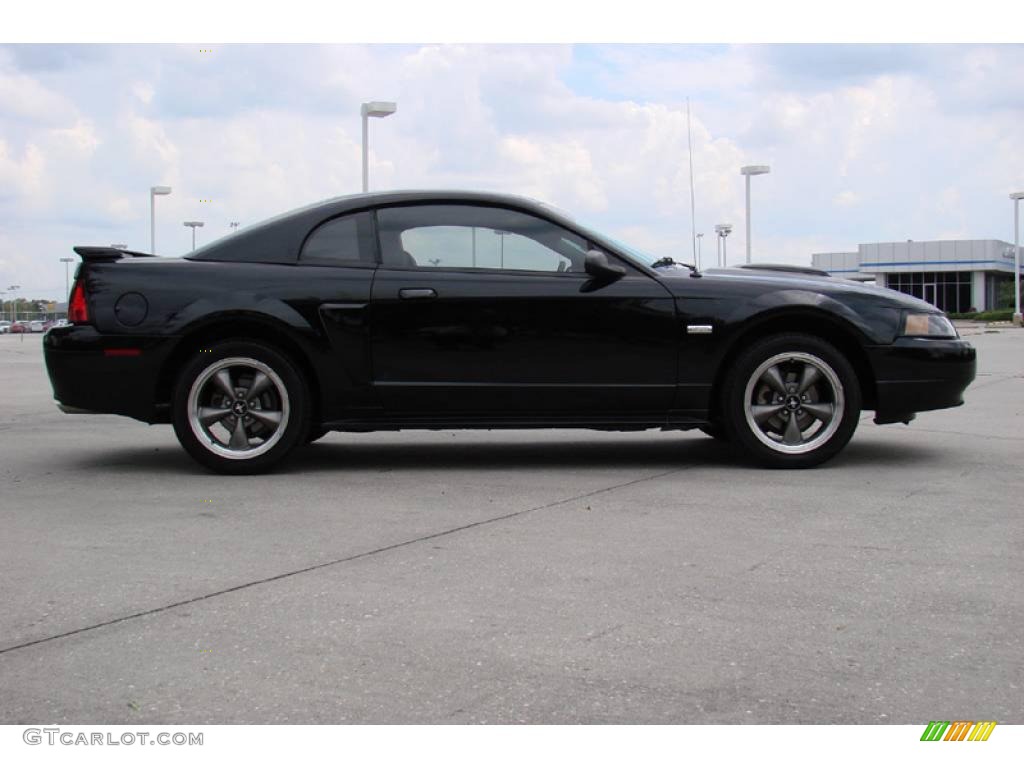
[{"x": 785, "y": 278}]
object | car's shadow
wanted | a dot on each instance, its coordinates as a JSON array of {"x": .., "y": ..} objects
[{"x": 347, "y": 452}]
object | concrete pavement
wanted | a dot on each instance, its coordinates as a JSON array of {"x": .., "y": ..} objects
[{"x": 548, "y": 577}]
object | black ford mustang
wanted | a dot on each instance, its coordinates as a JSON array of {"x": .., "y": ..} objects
[{"x": 425, "y": 310}]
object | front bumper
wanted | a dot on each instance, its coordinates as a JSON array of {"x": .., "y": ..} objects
[
  {"x": 918, "y": 374},
  {"x": 91, "y": 372}
]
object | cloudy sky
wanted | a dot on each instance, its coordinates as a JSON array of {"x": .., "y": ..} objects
[{"x": 865, "y": 142}]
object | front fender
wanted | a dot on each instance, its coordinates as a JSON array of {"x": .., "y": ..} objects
[{"x": 870, "y": 322}]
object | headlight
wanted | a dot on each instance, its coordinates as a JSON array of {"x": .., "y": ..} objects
[{"x": 928, "y": 325}]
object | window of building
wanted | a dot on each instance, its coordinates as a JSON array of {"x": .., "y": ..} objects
[{"x": 949, "y": 291}]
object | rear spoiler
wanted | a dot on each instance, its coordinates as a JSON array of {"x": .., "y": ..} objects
[{"x": 103, "y": 253}]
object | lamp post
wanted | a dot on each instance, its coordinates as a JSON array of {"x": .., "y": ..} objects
[
  {"x": 501, "y": 245},
  {"x": 723, "y": 231},
  {"x": 153, "y": 192},
  {"x": 700, "y": 236},
  {"x": 367, "y": 110},
  {"x": 67, "y": 286},
  {"x": 1016, "y": 197},
  {"x": 14, "y": 302},
  {"x": 193, "y": 225},
  {"x": 748, "y": 171}
]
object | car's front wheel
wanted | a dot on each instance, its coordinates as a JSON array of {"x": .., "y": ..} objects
[
  {"x": 240, "y": 407},
  {"x": 791, "y": 401},
  {"x": 715, "y": 430}
]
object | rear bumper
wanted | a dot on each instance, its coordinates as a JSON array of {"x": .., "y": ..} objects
[
  {"x": 915, "y": 375},
  {"x": 95, "y": 373}
]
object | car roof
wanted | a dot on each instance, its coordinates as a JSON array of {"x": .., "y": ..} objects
[{"x": 279, "y": 238}]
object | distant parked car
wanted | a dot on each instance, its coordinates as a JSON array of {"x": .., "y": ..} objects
[
  {"x": 35, "y": 326},
  {"x": 5, "y": 326},
  {"x": 19, "y": 326}
]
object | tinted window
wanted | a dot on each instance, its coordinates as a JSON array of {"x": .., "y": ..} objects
[
  {"x": 336, "y": 242},
  {"x": 476, "y": 237}
]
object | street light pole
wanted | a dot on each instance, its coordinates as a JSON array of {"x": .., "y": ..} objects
[
  {"x": 193, "y": 225},
  {"x": 67, "y": 285},
  {"x": 14, "y": 301},
  {"x": 367, "y": 110},
  {"x": 748, "y": 171},
  {"x": 153, "y": 192},
  {"x": 700, "y": 237},
  {"x": 501, "y": 245},
  {"x": 1016, "y": 197},
  {"x": 723, "y": 231}
]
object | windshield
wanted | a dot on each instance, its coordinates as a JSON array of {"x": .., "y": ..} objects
[
  {"x": 627, "y": 250},
  {"x": 634, "y": 253}
]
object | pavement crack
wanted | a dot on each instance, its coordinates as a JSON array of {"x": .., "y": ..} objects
[
  {"x": 603, "y": 633},
  {"x": 340, "y": 561}
]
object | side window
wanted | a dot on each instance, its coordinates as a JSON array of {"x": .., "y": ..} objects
[
  {"x": 340, "y": 242},
  {"x": 476, "y": 237}
]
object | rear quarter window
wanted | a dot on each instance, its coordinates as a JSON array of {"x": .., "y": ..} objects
[{"x": 344, "y": 241}]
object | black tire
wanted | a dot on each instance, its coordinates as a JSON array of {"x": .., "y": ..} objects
[
  {"x": 789, "y": 425},
  {"x": 275, "y": 417},
  {"x": 716, "y": 431},
  {"x": 315, "y": 433}
]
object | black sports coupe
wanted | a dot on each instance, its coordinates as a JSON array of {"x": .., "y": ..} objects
[{"x": 463, "y": 310}]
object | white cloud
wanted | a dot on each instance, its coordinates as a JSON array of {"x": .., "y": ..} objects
[
  {"x": 81, "y": 137},
  {"x": 144, "y": 92},
  {"x": 24, "y": 98},
  {"x": 846, "y": 198},
  {"x": 24, "y": 175},
  {"x": 864, "y": 144}
]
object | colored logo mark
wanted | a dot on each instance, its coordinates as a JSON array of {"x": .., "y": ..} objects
[{"x": 958, "y": 730}]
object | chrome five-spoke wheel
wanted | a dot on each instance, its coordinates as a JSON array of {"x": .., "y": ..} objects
[
  {"x": 793, "y": 402},
  {"x": 790, "y": 401},
  {"x": 238, "y": 408}
]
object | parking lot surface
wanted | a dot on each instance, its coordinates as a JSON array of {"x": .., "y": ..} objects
[{"x": 555, "y": 576}]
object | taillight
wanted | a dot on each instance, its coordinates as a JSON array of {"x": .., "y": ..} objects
[{"x": 78, "y": 310}]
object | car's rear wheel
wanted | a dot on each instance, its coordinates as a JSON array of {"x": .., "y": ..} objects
[
  {"x": 240, "y": 407},
  {"x": 314, "y": 434},
  {"x": 791, "y": 401}
]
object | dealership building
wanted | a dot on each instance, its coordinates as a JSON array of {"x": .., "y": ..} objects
[{"x": 954, "y": 275}]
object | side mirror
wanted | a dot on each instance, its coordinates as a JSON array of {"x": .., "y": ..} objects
[{"x": 597, "y": 265}]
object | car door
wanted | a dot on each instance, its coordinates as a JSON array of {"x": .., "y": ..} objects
[{"x": 485, "y": 310}]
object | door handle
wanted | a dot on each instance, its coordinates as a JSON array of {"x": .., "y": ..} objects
[{"x": 417, "y": 293}]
